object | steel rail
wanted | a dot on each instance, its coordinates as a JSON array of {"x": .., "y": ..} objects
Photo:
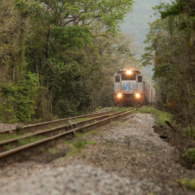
[
  {"x": 39, "y": 126},
  {"x": 73, "y": 131},
  {"x": 57, "y": 129}
]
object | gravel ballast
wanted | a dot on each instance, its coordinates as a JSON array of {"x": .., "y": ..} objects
[{"x": 74, "y": 180}]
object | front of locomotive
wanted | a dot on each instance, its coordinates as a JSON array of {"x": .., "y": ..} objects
[{"x": 128, "y": 88}]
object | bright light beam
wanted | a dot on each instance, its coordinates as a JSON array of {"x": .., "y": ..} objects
[{"x": 129, "y": 72}]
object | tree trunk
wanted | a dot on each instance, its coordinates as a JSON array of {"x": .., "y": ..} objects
[{"x": 47, "y": 45}]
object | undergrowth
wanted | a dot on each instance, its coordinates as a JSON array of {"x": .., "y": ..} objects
[
  {"x": 29, "y": 140},
  {"x": 23, "y": 141},
  {"x": 53, "y": 150},
  {"x": 96, "y": 109},
  {"x": 78, "y": 144},
  {"x": 189, "y": 184},
  {"x": 79, "y": 120},
  {"x": 4, "y": 137},
  {"x": 161, "y": 116},
  {"x": 119, "y": 109},
  {"x": 189, "y": 157}
]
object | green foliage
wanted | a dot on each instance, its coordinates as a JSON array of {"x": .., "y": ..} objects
[
  {"x": 18, "y": 128},
  {"x": 189, "y": 157},
  {"x": 72, "y": 37},
  {"x": 42, "y": 150},
  {"x": 92, "y": 133},
  {"x": 148, "y": 152},
  {"x": 17, "y": 100},
  {"x": 189, "y": 184},
  {"x": 171, "y": 46},
  {"x": 57, "y": 41},
  {"x": 126, "y": 109},
  {"x": 161, "y": 116},
  {"x": 190, "y": 153},
  {"x": 78, "y": 144},
  {"x": 74, "y": 75},
  {"x": 29, "y": 140},
  {"x": 79, "y": 120},
  {"x": 4, "y": 137},
  {"x": 53, "y": 150},
  {"x": 9, "y": 147},
  {"x": 98, "y": 108},
  {"x": 110, "y": 143},
  {"x": 182, "y": 13}
]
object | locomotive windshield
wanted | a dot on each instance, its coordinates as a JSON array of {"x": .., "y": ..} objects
[
  {"x": 139, "y": 79},
  {"x": 131, "y": 77},
  {"x": 117, "y": 79}
]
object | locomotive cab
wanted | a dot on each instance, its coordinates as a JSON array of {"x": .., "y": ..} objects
[{"x": 128, "y": 88}]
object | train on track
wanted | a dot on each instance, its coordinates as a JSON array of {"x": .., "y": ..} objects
[{"x": 130, "y": 89}]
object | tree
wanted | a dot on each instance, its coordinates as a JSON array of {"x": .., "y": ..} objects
[
  {"x": 53, "y": 41},
  {"x": 115, "y": 52},
  {"x": 174, "y": 71}
]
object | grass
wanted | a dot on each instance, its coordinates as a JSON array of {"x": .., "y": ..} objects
[
  {"x": 22, "y": 142},
  {"x": 189, "y": 184},
  {"x": 78, "y": 144},
  {"x": 91, "y": 133},
  {"x": 9, "y": 147},
  {"x": 29, "y": 140},
  {"x": 148, "y": 152},
  {"x": 53, "y": 150},
  {"x": 110, "y": 143},
  {"x": 79, "y": 120},
  {"x": 42, "y": 150},
  {"x": 161, "y": 116},
  {"x": 65, "y": 142},
  {"x": 121, "y": 122},
  {"x": 98, "y": 108},
  {"x": 4, "y": 137},
  {"x": 119, "y": 109}
]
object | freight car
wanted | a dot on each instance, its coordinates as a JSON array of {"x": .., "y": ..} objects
[{"x": 130, "y": 88}]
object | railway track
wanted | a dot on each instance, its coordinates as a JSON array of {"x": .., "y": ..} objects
[
  {"x": 19, "y": 149},
  {"x": 49, "y": 124}
]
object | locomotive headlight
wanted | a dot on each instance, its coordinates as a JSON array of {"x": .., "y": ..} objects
[
  {"x": 137, "y": 95},
  {"x": 119, "y": 95},
  {"x": 129, "y": 72}
]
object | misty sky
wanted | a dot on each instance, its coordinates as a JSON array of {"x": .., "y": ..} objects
[{"x": 136, "y": 23}]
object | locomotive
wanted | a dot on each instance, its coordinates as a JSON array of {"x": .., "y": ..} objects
[{"x": 130, "y": 88}]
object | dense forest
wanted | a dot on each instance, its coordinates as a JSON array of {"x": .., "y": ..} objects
[
  {"x": 171, "y": 44},
  {"x": 57, "y": 57}
]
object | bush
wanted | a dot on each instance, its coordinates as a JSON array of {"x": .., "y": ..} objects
[
  {"x": 189, "y": 157},
  {"x": 18, "y": 100},
  {"x": 189, "y": 184},
  {"x": 161, "y": 116}
]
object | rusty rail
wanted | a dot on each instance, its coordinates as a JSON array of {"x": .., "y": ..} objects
[
  {"x": 39, "y": 126},
  {"x": 55, "y": 130},
  {"x": 63, "y": 135}
]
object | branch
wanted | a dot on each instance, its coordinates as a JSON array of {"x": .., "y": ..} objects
[
  {"x": 44, "y": 22},
  {"x": 90, "y": 22},
  {"x": 68, "y": 22}
]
